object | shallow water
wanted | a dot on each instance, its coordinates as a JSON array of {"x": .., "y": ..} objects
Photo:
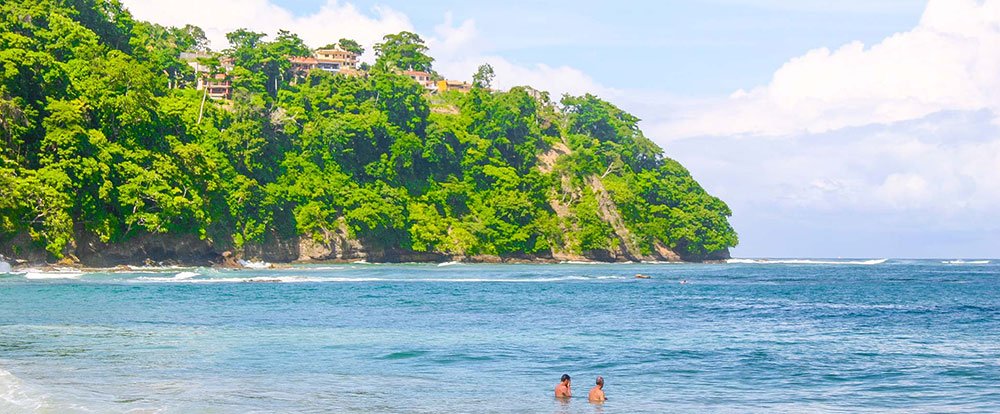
[{"x": 876, "y": 336}]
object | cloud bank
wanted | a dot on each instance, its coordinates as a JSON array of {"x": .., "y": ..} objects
[
  {"x": 898, "y": 142},
  {"x": 949, "y": 61}
]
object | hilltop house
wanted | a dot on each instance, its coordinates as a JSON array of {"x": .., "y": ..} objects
[
  {"x": 302, "y": 65},
  {"x": 335, "y": 59},
  {"x": 218, "y": 86},
  {"x": 425, "y": 79}
]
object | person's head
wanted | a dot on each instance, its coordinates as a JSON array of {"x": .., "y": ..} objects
[
  {"x": 600, "y": 381},
  {"x": 565, "y": 379}
]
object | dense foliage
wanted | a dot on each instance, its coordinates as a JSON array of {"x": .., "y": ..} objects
[{"x": 103, "y": 133}]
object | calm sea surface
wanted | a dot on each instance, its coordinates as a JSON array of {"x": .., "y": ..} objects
[{"x": 872, "y": 336}]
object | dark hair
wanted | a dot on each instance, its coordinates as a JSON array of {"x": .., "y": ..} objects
[
  {"x": 564, "y": 378},
  {"x": 600, "y": 380}
]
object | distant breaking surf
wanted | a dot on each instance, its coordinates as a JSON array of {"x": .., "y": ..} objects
[{"x": 808, "y": 261}]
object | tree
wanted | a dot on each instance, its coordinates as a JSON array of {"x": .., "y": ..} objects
[
  {"x": 403, "y": 51},
  {"x": 266, "y": 63},
  {"x": 351, "y": 46},
  {"x": 288, "y": 44},
  {"x": 483, "y": 77},
  {"x": 195, "y": 38},
  {"x": 243, "y": 45}
]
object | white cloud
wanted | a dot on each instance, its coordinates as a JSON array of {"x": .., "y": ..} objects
[
  {"x": 331, "y": 22},
  {"x": 950, "y": 61},
  {"x": 459, "y": 49},
  {"x": 945, "y": 166},
  {"x": 897, "y": 143}
]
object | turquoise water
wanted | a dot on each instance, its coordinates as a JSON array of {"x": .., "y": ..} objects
[{"x": 874, "y": 336}]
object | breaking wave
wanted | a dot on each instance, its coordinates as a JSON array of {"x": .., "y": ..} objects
[
  {"x": 254, "y": 265},
  {"x": 960, "y": 261},
  {"x": 15, "y": 397},
  {"x": 40, "y": 275}
]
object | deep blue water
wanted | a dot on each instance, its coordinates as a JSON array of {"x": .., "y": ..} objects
[{"x": 893, "y": 336}]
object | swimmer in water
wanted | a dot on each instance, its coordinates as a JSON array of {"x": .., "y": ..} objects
[
  {"x": 563, "y": 390},
  {"x": 597, "y": 393}
]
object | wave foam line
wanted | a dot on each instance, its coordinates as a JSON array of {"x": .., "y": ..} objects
[
  {"x": 300, "y": 279},
  {"x": 51, "y": 275},
  {"x": 16, "y": 398},
  {"x": 807, "y": 261},
  {"x": 254, "y": 265}
]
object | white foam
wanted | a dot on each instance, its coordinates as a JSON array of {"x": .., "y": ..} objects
[
  {"x": 508, "y": 280},
  {"x": 452, "y": 263},
  {"x": 277, "y": 279},
  {"x": 4, "y": 266},
  {"x": 254, "y": 265},
  {"x": 38, "y": 275},
  {"x": 302, "y": 279},
  {"x": 179, "y": 277},
  {"x": 15, "y": 397},
  {"x": 807, "y": 261},
  {"x": 960, "y": 261}
]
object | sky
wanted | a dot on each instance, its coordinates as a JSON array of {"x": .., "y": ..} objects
[{"x": 856, "y": 128}]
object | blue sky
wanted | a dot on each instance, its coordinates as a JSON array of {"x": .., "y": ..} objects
[{"x": 852, "y": 128}]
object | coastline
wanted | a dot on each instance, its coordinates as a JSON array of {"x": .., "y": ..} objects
[
  {"x": 227, "y": 260},
  {"x": 17, "y": 266},
  {"x": 190, "y": 251}
]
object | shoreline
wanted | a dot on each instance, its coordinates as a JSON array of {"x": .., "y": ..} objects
[{"x": 67, "y": 266}]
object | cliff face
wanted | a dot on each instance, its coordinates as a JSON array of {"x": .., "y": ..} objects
[
  {"x": 626, "y": 246},
  {"x": 339, "y": 245}
]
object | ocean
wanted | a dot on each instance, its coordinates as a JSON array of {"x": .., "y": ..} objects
[{"x": 792, "y": 336}]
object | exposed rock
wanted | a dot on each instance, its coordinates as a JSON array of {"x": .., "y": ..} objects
[
  {"x": 336, "y": 245},
  {"x": 229, "y": 261},
  {"x": 21, "y": 249},
  {"x": 663, "y": 253},
  {"x": 547, "y": 160},
  {"x": 608, "y": 211},
  {"x": 145, "y": 249},
  {"x": 405, "y": 256}
]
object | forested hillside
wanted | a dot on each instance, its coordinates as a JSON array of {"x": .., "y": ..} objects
[{"x": 108, "y": 154}]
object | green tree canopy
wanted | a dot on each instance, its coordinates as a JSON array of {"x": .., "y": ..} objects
[{"x": 403, "y": 51}]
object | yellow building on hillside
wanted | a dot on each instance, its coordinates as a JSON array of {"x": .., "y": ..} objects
[{"x": 453, "y": 85}]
